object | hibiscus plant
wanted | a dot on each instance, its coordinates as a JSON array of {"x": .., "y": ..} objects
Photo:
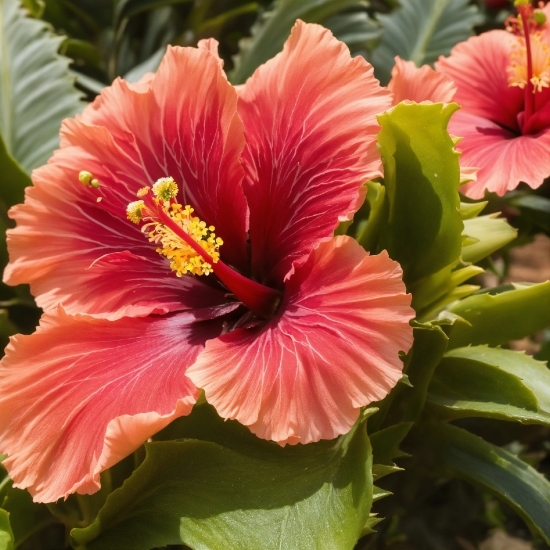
[{"x": 254, "y": 284}]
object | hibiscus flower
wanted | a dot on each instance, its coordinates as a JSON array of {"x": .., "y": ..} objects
[
  {"x": 182, "y": 238},
  {"x": 502, "y": 79}
]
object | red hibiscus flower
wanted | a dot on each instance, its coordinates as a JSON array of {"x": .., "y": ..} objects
[
  {"x": 502, "y": 80},
  {"x": 197, "y": 251}
]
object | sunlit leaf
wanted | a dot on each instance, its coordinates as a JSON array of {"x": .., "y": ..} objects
[
  {"x": 495, "y": 320},
  {"x": 421, "y": 176},
  {"x": 491, "y": 382}
]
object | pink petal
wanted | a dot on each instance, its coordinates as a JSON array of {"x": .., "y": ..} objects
[
  {"x": 411, "y": 83},
  {"x": 63, "y": 226},
  {"x": 331, "y": 349},
  {"x": 81, "y": 393},
  {"x": 186, "y": 127},
  {"x": 503, "y": 158},
  {"x": 211, "y": 45},
  {"x": 478, "y": 67},
  {"x": 310, "y": 126}
]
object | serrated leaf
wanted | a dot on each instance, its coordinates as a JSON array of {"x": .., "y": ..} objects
[
  {"x": 237, "y": 491},
  {"x": 495, "y": 320},
  {"x": 489, "y": 233},
  {"x": 371, "y": 523},
  {"x": 404, "y": 404},
  {"x": 36, "y": 89},
  {"x": 421, "y": 175},
  {"x": 494, "y": 383},
  {"x": 470, "y": 210},
  {"x": 273, "y": 28},
  {"x": 421, "y": 31},
  {"x": 502, "y": 473},
  {"x": 385, "y": 443}
]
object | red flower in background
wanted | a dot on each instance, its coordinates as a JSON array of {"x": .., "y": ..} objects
[
  {"x": 291, "y": 332},
  {"x": 502, "y": 80}
]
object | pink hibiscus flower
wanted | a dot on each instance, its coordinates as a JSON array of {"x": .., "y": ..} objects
[
  {"x": 288, "y": 329},
  {"x": 503, "y": 80}
]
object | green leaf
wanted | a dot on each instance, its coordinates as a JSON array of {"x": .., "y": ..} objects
[
  {"x": 357, "y": 30},
  {"x": 534, "y": 207},
  {"x": 421, "y": 177},
  {"x": 385, "y": 443},
  {"x": 470, "y": 210},
  {"x": 494, "y": 383},
  {"x": 27, "y": 518},
  {"x": 36, "y": 89},
  {"x": 421, "y": 31},
  {"x": 496, "y": 470},
  {"x": 404, "y": 403},
  {"x": 13, "y": 180},
  {"x": 6, "y": 534},
  {"x": 495, "y": 320},
  {"x": 490, "y": 233},
  {"x": 273, "y": 28},
  {"x": 237, "y": 491},
  {"x": 368, "y": 230}
]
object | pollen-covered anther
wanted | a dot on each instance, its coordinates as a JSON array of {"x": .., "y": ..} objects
[
  {"x": 165, "y": 189},
  {"x": 540, "y": 56},
  {"x": 134, "y": 211},
  {"x": 183, "y": 257},
  {"x": 86, "y": 178}
]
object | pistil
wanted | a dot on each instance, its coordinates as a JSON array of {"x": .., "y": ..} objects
[{"x": 192, "y": 246}]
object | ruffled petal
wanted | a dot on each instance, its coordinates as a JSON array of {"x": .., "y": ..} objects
[
  {"x": 310, "y": 126},
  {"x": 81, "y": 393},
  {"x": 185, "y": 126},
  {"x": 478, "y": 67},
  {"x": 332, "y": 349},
  {"x": 411, "y": 83},
  {"x": 503, "y": 158},
  {"x": 73, "y": 252}
]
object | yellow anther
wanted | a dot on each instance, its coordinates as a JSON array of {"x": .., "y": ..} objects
[
  {"x": 143, "y": 191},
  {"x": 165, "y": 189},
  {"x": 85, "y": 177},
  {"x": 540, "y": 55},
  {"x": 134, "y": 211}
]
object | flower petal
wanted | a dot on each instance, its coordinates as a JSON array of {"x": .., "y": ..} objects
[
  {"x": 81, "y": 393},
  {"x": 310, "y": 126},
  {"x": 478, "y": 67},
  {"x": 78, "y": 232},
  {"x": 332, "y": 349},
  {"x": 503, "y": 158},
  {"x": 186, "y": 127},
  {"x": 411, "y": 83}
]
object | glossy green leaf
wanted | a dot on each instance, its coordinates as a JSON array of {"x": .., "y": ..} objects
[
  {"x": 491, "y": 382},
  {"x": 421, "y": 175},
  {"x": 495, "y": 320},
  {"x": 36, "y": 89},
  {"x": 237, "y": 491},
  {"x": 273, "y": 28},
  {"x": 421, "y": 31},
  {"x": 489, "y": 233},
  {"x": 385, "y": 443},
  {"x": 6, "y": 534},
  {"x": 470, "y": 210},
  {"x": 509, "y": 478},
  {"x": 534, "y": 207}
]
